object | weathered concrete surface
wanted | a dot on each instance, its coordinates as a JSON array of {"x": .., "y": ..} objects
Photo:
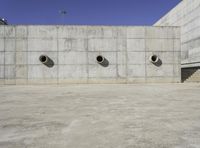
[
  {"x": 100, "y": 116},
  {"x": 74, "y": 49},
  {"x": 186, "y": 15}
]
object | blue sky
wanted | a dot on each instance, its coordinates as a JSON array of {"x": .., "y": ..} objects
[{"x": 85, "y": 12}]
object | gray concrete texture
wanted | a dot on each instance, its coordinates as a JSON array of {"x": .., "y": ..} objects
[
  {"x": 73, "y": 50},
  {"x": 187, "y": 15},
  {"x": 100, "y": 116}
]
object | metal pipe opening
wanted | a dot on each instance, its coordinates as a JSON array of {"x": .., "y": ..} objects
[
  {"x": 44, "y": 59},
  {"x": 100, "y": 59},
  {"x": 153, "y": 58}
]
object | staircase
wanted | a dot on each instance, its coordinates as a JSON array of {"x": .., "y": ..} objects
[{"x": 190, "y": 75}]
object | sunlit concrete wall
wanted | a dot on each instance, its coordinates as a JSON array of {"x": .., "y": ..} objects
[
  {"x": 187, "y": 15},
  {"x": 73, "y": 49}
]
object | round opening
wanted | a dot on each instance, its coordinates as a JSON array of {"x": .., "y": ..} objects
[
  {"x": 43, "y": 58},
  {"x": 154, "y": 58},
  {"x": 99, "y": 59}
]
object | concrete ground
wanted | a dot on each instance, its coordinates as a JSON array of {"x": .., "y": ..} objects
[{"x": 100, "y": 116}]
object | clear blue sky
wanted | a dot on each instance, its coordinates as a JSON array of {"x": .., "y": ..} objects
[{"x": 81, "y": 12}]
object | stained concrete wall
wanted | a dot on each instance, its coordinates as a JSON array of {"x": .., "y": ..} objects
[
  {"x": 73, "y": 49},
  {"x": 187, "y": 15}
]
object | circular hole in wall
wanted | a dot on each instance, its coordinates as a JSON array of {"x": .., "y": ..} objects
[
  {"x": 43, "y": 58},
  {"x": 154, "y": 58},
  {"x": 100, "y": 59}
]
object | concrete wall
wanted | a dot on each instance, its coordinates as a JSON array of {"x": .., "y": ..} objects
[
  {"x": 187, "y": 15},
  {"x": 73, "y": 49}
]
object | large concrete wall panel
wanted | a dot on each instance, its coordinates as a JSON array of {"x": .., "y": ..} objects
[
  {"x": 73, "y": 51},
  {"x": 2, "y": 31},
  {"x": 9, "y": 44},
  {"x": 136, "y": 70},
  {"x": 42, "y": 32},
  {"x": 2, "y": 44},
  {"x": 21, "y": 44},
  {"x": 42, "y": 72},
  {"x": 186, "y": 15},
  {"x": 72, "y": 58},
  {"x": 77, "y": 32},
  {"x": 21, "y": 31},
  {"x": 102, "y": 44},
  {"x": 2, "y": 54},
  {"x": 136, "y": 45},
  {"x": 42, "y": 44},
  {"x": 136, "y": 58},
  {"x": 9, "y": 31},
  {"x": 159, "y": 45},
  {"x": 1, "y": 73},
  {"x": 136, "y": 32}
]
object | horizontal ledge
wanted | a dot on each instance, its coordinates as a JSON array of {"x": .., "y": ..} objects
[
  {"x": 113, "y": 64},
  {"x": 73, "y": 38},
  {"x": 190, "y": 64},
  {"x": 92, "y": 51}
]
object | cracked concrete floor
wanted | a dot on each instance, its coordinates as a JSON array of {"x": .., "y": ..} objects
[{"x": 100, "y": 116}]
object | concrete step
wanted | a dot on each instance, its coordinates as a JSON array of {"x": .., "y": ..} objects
[
  {"x": 195, "y": 77},
  {"x": 197, "y": 73},
  {"x": 192, "y": 81}
]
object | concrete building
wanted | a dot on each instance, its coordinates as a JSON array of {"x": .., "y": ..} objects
[
  {"x": 186, "y": 15},
  {"x": 89, "y": 54}
]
